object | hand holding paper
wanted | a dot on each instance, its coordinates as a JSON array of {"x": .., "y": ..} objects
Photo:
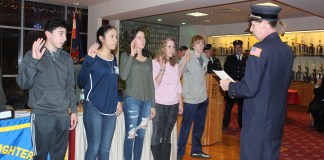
[
  {"x": 225, "y": 79},
  {"x": 223, "y": 75}
]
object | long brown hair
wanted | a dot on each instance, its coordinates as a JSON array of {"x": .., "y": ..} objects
[{"x": 162, "y": 53}]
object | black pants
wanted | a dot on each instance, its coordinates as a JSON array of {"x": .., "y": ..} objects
[
  {"x": 163, "y": 123},
  {"x": 317, "y": 111},
  {"x": 228, "y": 111},
  {"x": 49, "y": 136}
]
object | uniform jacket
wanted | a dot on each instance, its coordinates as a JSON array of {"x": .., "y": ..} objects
[
  {"x": 319, "y": 94},
  {"x": 213, "y": 64},
  {"x": 235, "y": 68},
  {"x": 265, "y": 88}
]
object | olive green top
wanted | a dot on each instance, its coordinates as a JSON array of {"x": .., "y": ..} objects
[{"x": 138, "y": 76}]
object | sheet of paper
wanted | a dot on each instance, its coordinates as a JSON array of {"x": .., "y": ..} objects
[
  {"x": 223, "y": 75},
  {"x": 5, "y": 114}
]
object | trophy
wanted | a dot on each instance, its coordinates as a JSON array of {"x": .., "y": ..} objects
[
  {"x": 299, "y": 74},
  {"x": 306, "y": 75},
  {"x": 314, "y": 73}
]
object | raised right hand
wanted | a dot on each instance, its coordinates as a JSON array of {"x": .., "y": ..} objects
[
  {"x": 162, "y": 63},
  {"x": 92, "y": 52},
  {"x": 37, "y": 51},
  {"x": 187, "y": 55},
  {"x": 133, "y": 48}
]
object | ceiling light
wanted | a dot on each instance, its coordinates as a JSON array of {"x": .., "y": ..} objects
[
  {"x": 197, "y": 14},
  {"x": 183, "y": 23},
  {"x": 207, "y": 20},
  {"x": 267, "y": 4},
  {"x": 159, "y": 19}
]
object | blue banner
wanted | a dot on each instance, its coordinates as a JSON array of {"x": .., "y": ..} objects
[{"x": 15, "y": 141}]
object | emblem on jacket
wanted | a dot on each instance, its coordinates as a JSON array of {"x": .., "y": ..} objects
[{"x": 116, "y": 70}]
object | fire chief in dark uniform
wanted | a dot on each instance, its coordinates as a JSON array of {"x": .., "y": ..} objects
[
  {"x": 264, "y": 86},
  {"x": 234, "y": 66}
]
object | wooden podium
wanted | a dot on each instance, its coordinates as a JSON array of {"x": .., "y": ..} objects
[{"x": 214, "y": 119}]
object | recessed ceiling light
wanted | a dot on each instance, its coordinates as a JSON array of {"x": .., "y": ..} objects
[
  {"x": 267, "y": 4},
  {"x": 183, "y": 23},
  {"x": 159, "y": 19},
  {"x": 197, "y": 14}
]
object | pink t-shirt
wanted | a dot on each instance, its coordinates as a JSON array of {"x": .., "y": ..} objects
[{"x": 167, "y": 92}]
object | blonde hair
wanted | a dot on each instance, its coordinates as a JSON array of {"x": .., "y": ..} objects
[
  {"x": 162, "y": 53},
  {"x": 279, "y": 26}
]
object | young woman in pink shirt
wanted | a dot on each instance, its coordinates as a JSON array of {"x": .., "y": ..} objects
[{"x": 168, "y": 99}]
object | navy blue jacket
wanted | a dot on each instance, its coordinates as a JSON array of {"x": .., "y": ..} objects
[
  {"x": 235, "y": 68},
  {"x": 265, "y": 88},
  {"x": 99, "y": 78}
]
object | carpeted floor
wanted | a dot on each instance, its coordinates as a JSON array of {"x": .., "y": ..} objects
[{"x": 300, "y": 141}]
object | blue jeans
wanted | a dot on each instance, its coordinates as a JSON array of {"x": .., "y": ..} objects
[
  {"x": 100, "y": 130},
  {"x": 195, "y": 113},
  {"x": 137, "y": 115}
]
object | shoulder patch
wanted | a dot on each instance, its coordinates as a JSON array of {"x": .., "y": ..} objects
[{"x": 255, "y": 51}]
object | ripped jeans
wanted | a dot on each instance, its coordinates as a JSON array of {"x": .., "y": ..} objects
[{"x": 137, "y": 115}]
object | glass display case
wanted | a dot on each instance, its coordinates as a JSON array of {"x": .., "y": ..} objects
[
  {"x": 303, "y": 43},
  {"x": 306, "y": 45}
]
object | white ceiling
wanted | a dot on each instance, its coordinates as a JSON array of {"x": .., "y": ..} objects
[{"x": 221, "y": 14}]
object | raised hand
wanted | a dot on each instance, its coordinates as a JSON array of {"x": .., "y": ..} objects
[
  {"x": 37, "y": 51},
  {"x": 92, "y": 52},
  {"x": 162, "y": 63},
  {"x": 187, "y": 55},
  {"x": 133, "y": 48}
]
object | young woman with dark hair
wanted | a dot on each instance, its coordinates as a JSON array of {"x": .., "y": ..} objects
[
  {"x": 99, "y": 78},
  {"x": 136, "y": 70}
]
